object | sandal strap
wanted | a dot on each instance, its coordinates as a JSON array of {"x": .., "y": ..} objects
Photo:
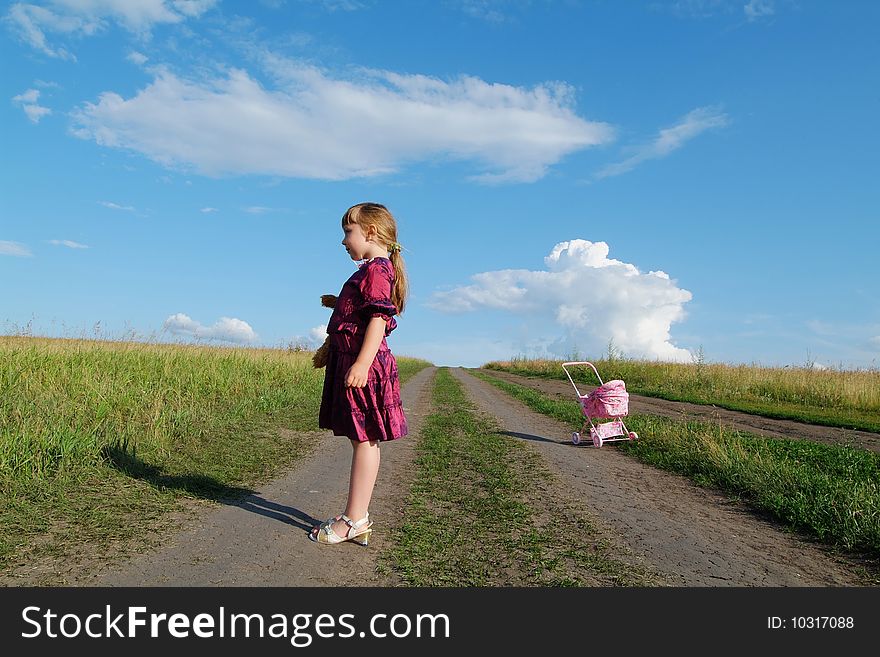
[{"x": 355, "y": 525}]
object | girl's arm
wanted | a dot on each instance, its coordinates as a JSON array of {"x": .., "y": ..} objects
[{"x": 356, "y": 376}]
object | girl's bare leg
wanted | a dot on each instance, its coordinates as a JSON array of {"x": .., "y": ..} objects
[
  {"x": 365, "y": 459},
  {"x": 364, "y": 469}
]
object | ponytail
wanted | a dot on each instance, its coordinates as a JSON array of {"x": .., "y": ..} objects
[{"x": 400, "y": 291}]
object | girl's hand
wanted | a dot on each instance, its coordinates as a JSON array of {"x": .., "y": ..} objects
[{"x": 356, "y": 377}]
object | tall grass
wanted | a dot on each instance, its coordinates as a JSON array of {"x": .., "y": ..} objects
[
  {"x": 97, "y": 436},
  {"x": 64, "y": 403},
  {"x": 842, "y": 398}
]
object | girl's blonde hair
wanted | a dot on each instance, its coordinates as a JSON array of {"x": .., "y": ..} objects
[{"x": 376, "y": 215}]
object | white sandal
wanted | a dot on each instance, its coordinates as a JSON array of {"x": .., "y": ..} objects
[{"x": 361, "y": 528}]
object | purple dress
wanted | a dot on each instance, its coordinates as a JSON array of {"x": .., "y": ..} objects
[{"x": 375, "y": 411}]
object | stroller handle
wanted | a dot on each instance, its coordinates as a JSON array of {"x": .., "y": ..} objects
[{"x": 580, "y": 362}]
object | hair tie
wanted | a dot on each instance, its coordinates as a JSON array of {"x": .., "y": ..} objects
[{"x": 394, "y": 246}]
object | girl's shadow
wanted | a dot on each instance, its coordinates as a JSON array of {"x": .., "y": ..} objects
[
  {"x": 206, "y": 488},
  {"x": 287, "y": 514}
]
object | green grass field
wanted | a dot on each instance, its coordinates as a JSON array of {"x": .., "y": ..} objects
[{"x": 99, "y": 439}]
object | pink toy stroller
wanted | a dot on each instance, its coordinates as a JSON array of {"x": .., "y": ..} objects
[{"x": 608, "y": 401}]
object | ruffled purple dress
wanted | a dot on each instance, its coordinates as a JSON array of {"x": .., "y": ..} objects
[{"x": 374, "y": 412}]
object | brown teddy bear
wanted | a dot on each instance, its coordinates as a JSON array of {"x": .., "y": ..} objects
[{"x": 319, "y": 360}]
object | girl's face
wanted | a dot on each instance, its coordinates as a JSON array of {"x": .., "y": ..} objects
[{"x": 355, "y": 241}]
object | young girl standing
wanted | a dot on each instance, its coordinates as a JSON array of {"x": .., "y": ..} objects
[{"x": 361, "y": 398}]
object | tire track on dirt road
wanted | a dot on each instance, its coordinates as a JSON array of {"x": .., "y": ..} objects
[
  {"x": 693, "y": 536},
  {"x": 262, "y": 540}
]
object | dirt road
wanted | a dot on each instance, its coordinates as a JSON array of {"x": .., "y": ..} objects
[
  {"x": 263, "y": 540},
  {"x": 692, "y": 536},
  {"x": 688, "y": 536}
]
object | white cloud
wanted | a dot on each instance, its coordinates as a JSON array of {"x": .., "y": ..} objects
[
  {"x": 87, "y": 17},
  {"x": 227, "y": 329},
  {"x": 257, "y": 209},
  {"x": 758, "y": 9},
  {"x": 193, "y": 8},
  {"x": 313, "y": 340},
  {"x": 69, "y": 244},
  {"x": 116, "y": 206},
  {"x": 313, "y": 125},
  {"x": 591, "y": 297},
  {"x": 36, "y": 112},
  {"x": 14, "y": 249},
  {"x": 29, "y": 96},
  {"x": 208, "y": 210},
  {"x": 875, "y": 342},
  {"x": 670, "y": 139},
  {"x": 318, "y": 333},
  {"x": 30, "y": 21},
  {"x": 137, "y": 58},
  {"x": 28, "y": 101}
]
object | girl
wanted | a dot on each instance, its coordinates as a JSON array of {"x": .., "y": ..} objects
[{"x": 361, "y": 398}]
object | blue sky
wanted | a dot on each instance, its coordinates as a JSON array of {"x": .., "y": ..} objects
[{"x": 665, "y": 177}]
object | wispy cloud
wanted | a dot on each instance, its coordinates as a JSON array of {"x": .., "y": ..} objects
[
  {"x": 758, "y": 9},
  {"x": 116, "y": 206},
  {"x": 493, "y": 11},
  {"x": 694, "y": 8},
  {"x": 68, "y": 243},
  {"x": 77, "y": 18},
  {"x": 753, "y": 9},
  {"x": 208, "y": 210},
  {"x": 14, "y": 249},
  {"x": 258, "y": 209},
  {"x": 315, "y": 125},
  {"x": 28, "y": 102},
  {"x": 226, "y": 329},
  {"x": 338, "y": 5},
  {"x": 590, "y": 297},
  {"x": 670, "y": 139}
]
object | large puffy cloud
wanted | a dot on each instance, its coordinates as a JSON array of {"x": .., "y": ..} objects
[
  {"x": 226, "y": 329},
  {"x": 313, "y": 125},
  {"x": 87, "y": 17},
  {"x": 592, "y": 298}
]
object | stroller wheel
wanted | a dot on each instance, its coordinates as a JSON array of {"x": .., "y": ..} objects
[
  {"x": 633, "y": 435},
  {"x": 597, "y": 440},
  {"x": 576, "y": 438}
]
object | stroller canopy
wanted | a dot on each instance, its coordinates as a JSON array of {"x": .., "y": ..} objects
[{"x": 608, "y": 400}]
